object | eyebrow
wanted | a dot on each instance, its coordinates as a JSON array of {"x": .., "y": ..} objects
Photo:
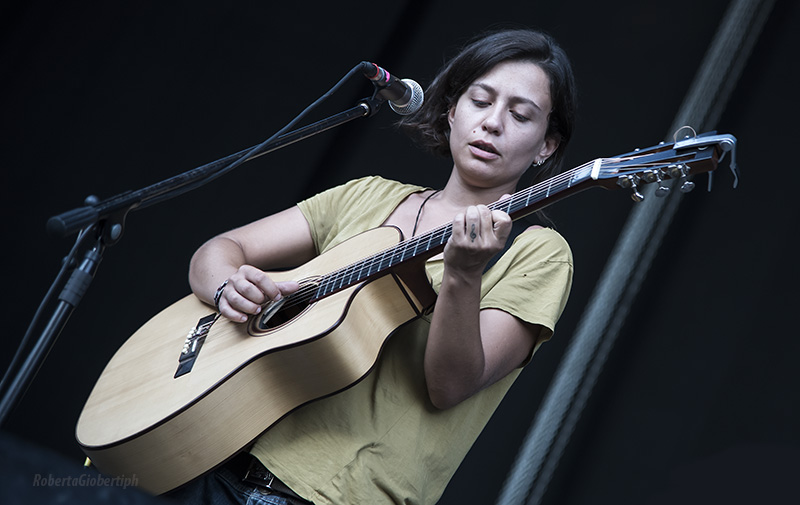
[{"x": 514, "y": 99}]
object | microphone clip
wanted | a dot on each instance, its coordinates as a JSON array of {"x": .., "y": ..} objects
[{"x": 405, "y": 96}]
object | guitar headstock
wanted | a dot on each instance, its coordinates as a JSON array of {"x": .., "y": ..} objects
[{"x": 678, "y": 160}]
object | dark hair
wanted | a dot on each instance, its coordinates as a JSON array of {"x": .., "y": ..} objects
[{"x": 430, "y": 124}]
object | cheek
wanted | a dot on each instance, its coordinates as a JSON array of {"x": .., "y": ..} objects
[
  {"x": 536, "y": 141},
  {"x": 528, "y": 148},
  {"x": 458, "y": 130}
]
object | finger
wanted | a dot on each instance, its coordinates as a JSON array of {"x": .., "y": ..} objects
[
  {"x": 229, "y": 312},
  {"x": 237, "y": 307},
  {"x": 237, "y": 301},
  {"x": 486, "y": 219},
  {"x": 474, "y": 222},
  {"x": 287, "y": 287},
  {"x": 266, "y": 287},
  {"x": 501, "y": 224},
  {"x": 459, "y": 226}
]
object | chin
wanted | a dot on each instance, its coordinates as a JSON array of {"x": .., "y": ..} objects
[{"x": 486, "y": 177}]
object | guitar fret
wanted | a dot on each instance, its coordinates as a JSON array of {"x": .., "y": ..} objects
[
  {"x": 321, "y": 290},
  {"x": 368, "y": 265},
  {"x": 348, "y": 275},
  {"x": 403, "y": 252},
  {"x": 381, "y": 263}
]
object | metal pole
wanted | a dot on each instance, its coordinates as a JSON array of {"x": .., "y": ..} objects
[{"x": 627, "y": 268}]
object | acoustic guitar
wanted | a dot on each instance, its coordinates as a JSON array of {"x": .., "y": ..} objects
[{"x": 189, "y": 389}]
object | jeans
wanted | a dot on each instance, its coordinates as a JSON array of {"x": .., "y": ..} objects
[{"x": 222, "y": 487}]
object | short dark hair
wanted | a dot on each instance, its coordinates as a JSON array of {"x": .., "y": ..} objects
[{"x": 430, "y": 126}]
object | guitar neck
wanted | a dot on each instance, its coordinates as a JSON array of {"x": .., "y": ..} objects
[
  {"x": 642, "y": 166},
  {"x": 431, "y": 243}
]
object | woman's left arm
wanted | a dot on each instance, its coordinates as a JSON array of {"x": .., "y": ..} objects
[{"x": 468, "y": 349}]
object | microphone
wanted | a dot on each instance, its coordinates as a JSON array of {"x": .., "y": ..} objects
[{"x": 405, "y": 96}]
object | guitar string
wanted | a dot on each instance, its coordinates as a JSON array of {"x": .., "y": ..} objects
[
  {"x": 437, "y": 235},
  {"x": 344, "y": 276},
  {"x": 378, "y": 261}
]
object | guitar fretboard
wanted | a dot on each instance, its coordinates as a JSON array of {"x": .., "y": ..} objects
[{"x": 432, "y": 242}]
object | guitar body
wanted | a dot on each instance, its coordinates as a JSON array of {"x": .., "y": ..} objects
[{"x": 140, "y": 419}]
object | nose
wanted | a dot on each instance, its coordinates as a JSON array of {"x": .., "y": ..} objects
[{"x": 493, "y": 121}]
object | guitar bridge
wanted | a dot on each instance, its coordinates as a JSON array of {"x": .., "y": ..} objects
[{"x": 194, "y": 341}]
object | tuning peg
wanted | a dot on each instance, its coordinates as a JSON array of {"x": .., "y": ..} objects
[
  {"x": 682, "y": 171},
  {"x": 631, "y": 181},
  {"x": 662, "y": 190},
  {"x": 655, "y": 176}
]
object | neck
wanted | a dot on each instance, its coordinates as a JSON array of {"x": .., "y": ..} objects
[{"x": 459, "y": 194}]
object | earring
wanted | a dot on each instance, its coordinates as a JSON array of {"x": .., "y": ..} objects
[{"x": 538, "y": 163}]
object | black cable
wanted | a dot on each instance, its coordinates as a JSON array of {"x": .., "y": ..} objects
[{"x": 256, "y": 150}]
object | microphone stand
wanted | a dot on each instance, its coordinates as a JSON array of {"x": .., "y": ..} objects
[{"x": 104, "y": 221}]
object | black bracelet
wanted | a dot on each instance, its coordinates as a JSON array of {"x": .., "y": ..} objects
[{"x": 218, "y": 294}]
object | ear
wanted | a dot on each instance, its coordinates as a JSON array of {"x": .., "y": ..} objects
[
  {"x": 451, "y": 115},
  {"x": 548, "y": 147}
]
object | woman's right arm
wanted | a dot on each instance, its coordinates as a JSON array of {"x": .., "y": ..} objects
[{"x": 240, "y": 256}]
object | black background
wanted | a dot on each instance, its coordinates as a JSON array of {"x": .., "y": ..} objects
[{"x": 699, "y": 398}]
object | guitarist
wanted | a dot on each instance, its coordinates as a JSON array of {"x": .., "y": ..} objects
[{"x": 502, "y": 107}]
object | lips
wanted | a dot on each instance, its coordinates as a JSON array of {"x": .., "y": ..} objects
[
  {"x": 484, "y": 149},
  {"x": 484, "y": 146}
]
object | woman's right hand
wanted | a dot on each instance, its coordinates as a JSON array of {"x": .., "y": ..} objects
[{"x": 248, "y": 290}]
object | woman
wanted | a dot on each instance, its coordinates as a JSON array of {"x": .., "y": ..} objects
[{"x": 501, "y": 107}]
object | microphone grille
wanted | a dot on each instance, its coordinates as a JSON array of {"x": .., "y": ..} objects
[{"x": 414, "y": 103}]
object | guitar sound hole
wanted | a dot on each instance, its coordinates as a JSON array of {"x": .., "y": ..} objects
[{"x": 276, "y": 314}]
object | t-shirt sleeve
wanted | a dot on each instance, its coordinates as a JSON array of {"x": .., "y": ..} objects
[{"x": 534, "y": 278}]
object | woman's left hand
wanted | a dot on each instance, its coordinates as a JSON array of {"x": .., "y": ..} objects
[{"x": 478, "y": 234}]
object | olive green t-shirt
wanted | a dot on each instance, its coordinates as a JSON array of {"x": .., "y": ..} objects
[{"x": 382, "y": 441}]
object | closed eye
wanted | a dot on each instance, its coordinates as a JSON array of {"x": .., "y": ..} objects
[{"x": 519, "y": 117}]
